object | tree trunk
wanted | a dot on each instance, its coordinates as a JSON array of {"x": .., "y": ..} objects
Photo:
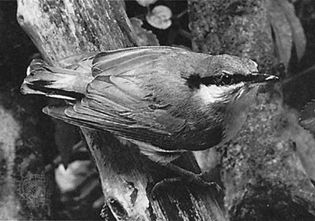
[
  {"x": 66, "y": 27},
  {"x": 262, "y": 174}
]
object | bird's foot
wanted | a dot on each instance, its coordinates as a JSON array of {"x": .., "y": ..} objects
[{"x": 187, "y": 177}]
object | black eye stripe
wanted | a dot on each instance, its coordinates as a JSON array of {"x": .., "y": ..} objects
[
  {"x": 226, "y": 79},
  {"x": 194, "y": 81}
]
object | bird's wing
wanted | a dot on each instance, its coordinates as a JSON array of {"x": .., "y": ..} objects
[
  {"x": 123, "y": 98},
  {"x": 117, "y": 62}
]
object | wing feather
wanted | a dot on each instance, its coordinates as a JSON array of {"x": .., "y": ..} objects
[
  {"x": 119, "y": 87},
  {"x": 122, "y": 60},
  {"x": 108, "y": 90},
  {"x": 131, "y": 96}
]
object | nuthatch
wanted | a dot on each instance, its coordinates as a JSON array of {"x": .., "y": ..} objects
[{"x": 166, "y": 100}]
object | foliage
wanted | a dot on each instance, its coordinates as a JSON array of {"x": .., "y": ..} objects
[{"x": 287, "y": 30}]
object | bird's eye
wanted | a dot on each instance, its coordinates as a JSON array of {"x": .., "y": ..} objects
[{"x": 224, "y": 79}]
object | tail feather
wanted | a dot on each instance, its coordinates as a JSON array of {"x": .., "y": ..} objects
[{"x": 55, "y": 82}]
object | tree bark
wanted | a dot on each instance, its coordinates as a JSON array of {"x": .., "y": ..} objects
[
  {"x": 262, "y": 174},
  {"x": 63, "y": 28}
]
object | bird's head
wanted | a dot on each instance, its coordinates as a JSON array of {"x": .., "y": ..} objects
[
  {"x": 227, "y": 79},
  {"x": 224, "y": 87}
]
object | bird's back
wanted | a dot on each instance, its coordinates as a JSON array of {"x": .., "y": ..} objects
[{"x": 140, "y": 94}]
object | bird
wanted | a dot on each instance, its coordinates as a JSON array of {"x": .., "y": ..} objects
[{"x": 166, "y": 100}]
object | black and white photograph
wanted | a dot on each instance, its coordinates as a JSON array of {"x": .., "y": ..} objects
[{"x": 157, "y": 110}]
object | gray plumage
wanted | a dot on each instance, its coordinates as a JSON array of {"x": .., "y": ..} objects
[{"x": 164, "y": 99}]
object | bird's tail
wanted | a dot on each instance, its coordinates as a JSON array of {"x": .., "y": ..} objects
[{"x": 66, "y": 83}]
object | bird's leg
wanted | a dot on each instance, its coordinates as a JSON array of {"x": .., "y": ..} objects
[{"x": 184, "y": 176}]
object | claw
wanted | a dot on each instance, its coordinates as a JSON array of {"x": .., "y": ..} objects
[
  {"x": 196, "y": 179},
  {"x": 162, "y": 184}
]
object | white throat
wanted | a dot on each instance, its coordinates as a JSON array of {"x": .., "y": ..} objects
[{"x": 213, "y": 93}]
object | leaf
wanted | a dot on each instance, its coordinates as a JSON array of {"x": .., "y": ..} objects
[
  {"x": 76, "y": 173},
  {"x": 144, "y": 37},
  {"x": 287, "y": 30},
  {"x": 145, "y": 3},
  {"x": 99, "y": 202},
  {"x": 160, "y": 17},
  {"x": 307, "y": 116},
  {"x": 305, "y": 143},
  {"x": 282, "y": 31},
  {"x": 299, "y": 38}
]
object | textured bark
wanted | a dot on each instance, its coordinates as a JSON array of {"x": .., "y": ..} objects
[
  {"x": 74, "y": 27},
  {"x": 262, "y": 174},
  {"x": 63, "y": 28}
]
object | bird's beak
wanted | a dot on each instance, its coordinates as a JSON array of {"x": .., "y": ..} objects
[{"x": 263, "y": 78}]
